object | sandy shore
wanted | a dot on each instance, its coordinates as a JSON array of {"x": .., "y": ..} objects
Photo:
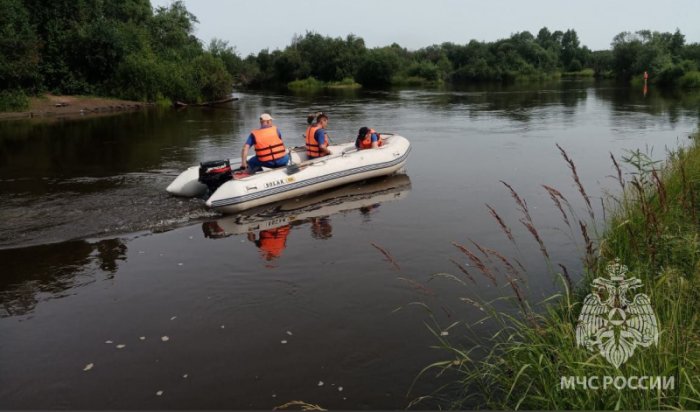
[{"x": 71, "y": 106}]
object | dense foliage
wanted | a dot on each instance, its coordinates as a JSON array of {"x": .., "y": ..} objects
[
  {"x": 127, "y": 49},
  {"x": 123, "y": 49},
  {"x": 665, "y": 56},
  {"x": 669, "y": 61}
]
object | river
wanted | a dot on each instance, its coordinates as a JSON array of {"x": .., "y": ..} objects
[{"x": 116, "y": 295}]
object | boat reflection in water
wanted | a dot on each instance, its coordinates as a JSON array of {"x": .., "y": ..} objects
[{"x": 273, "y": 224}]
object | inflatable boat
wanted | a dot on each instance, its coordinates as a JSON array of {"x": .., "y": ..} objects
[
  {"x": 302, "y": 176},
  {"x": 365, "y": 197}
]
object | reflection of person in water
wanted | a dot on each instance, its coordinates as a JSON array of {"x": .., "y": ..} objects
[
  {"x": 271, "y": 241},
  {"x": 321, "y": 228},
  {"x": 366, "y": 210}
]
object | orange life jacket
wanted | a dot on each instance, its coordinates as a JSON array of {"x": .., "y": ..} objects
[
  {"x": 268, "y": 145},
  {"x": 312, "y": 147},
  {"x": 366, "y": 142},
  {"x": 273, "y": 241}
]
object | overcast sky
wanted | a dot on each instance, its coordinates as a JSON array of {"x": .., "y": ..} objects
[{"x": 252, "y": 25}]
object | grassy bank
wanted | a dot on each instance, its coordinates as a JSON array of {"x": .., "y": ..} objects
[
  {"x": 653, "y": 230},
  {"x": 311, "y": 83}
]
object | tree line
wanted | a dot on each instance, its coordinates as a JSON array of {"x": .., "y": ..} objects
[
  {"x": 665, "y": 56},
  {"x": 129, "y": 50}
]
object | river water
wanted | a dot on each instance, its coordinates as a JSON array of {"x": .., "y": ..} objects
[{"x": 169, "y": 305}]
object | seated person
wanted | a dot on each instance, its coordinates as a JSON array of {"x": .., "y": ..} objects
[
  {"x": 269, "y": 149},
  {"x": 317, "y": 139},
  {"x": 367, "y": 139}
]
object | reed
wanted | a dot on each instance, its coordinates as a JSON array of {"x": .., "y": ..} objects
[
  {"x": 503, "y": 226},
  {"x": 387, "y": 255},
  {"x": 580, "y": 187},
  {"x": 522, "y": 205},
  {"x": 298, "y": 405},
  {"x": 557, "y": 198},
  {"x": 620, "y": 179},
  {"x": 483, "y": 269},
  {"x": 655, "y": 232},
  {"x": 533, "y": 231},
  {"x": 463, "y": 270},
  {"x": 567, "y": 277}
]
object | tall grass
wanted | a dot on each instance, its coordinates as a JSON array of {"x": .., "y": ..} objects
[
  {"x": 653, "y": 229},
  {"x": 311, "y": 83}
]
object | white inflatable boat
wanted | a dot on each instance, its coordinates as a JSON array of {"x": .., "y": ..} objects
[
  {"x": 362, "y": 197},
  {"x": 344, "y": 165}
]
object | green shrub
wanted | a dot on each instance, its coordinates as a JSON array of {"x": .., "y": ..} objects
[
  {"x": 575, "y": 66},
  {"x": 424, "y": 69},
  {"x": 211, "y": 77},
  {"x": 690, "y": 80},
  {"x": 139, "y": 77},
  {"x": 669, "y": 75},
  {"x": 13, "y": 101}
]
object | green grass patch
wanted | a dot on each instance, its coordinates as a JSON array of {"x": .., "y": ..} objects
[
  {"x": 346, "y": 83},
  {"x": 311, "y": 83},
  {"x": 581, "y": 73}
]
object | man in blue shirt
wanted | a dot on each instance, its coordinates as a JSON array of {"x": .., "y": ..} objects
[{"x": 269, "y": 149}]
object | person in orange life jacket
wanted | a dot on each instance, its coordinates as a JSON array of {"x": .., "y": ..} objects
[
  {"x": 316, "y": 138},
  {"x": 269, "y": 149},
  {"x": 271, "y": 241},
  {"x": 368, "y": 139},
  {"x": 311, "y": 121}
]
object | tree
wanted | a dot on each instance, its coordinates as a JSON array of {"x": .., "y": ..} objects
[
  {"x": 211, "y": 77},
  {"x": 677, "y": 42},
  {"x": 570, "y": 50},
  {"x": 602, "y": 62},
  {"x": 19, "y": 48},
  {"x": 626, "y": 50},
  {"x": 228, "y": 55},
  {"x": 377, "y": 68},
  {"x": 132, "y": 11},
  {"x": 172, "y": 32}
]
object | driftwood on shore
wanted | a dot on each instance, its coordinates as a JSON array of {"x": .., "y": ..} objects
[{"x": 212, "y": 103}]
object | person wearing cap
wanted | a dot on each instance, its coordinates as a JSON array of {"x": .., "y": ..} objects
[
  {"x": 368, "y": 139},
  {"x": 269, "y": 148},
  {"x": 316, "y": 137}
]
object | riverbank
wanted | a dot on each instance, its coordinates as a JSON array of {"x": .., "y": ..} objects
[
  {"x": 50, "y": 105},
  {"x": 536, "y": 360}
]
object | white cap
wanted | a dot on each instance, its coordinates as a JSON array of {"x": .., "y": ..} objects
[{"x": 266, "y": 117}]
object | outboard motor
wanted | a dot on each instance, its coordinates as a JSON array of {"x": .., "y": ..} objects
[{"x": 215, "y": 173}]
